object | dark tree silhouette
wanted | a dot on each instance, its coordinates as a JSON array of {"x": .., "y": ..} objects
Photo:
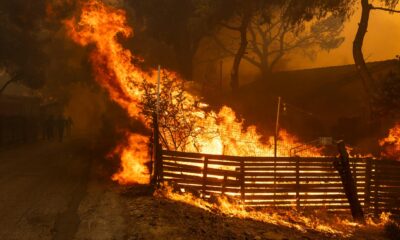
[
  {"x": 21, "y": 47},
  {"x": 180, "y": 25},
  {"x": 368, "y": 81},
  {"x": 269, "y": 40},
  {"x": 295, "y": 14}
]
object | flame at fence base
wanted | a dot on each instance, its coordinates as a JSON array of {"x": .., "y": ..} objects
[
  {"x": 319, "y": 221},
  {"x": 133, "y": 168}
]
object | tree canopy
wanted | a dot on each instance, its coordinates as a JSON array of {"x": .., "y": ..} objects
[{"x": 182, "y": 24}]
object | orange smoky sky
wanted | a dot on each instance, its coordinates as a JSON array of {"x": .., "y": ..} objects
[{"x": 382, "y": 42}]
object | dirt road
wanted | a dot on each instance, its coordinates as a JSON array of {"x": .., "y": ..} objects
[{"x": 43, "y": 187}]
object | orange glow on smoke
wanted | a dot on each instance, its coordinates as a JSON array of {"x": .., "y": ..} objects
[
  {"x": 100, "y": 26},
  {"x": 392, "y": 143}
]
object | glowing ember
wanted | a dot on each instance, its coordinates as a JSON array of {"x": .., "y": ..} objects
[
  {"x": 392, "y": 143},
  {"x": 100, "y": 25}
]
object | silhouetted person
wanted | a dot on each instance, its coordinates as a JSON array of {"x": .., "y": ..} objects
[
  {"x": 68, "y": 125},
  {"x": 60, "y": 124}
]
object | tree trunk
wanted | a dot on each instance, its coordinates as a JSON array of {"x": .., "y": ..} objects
[
  {"x": 342, "y": 165},
  {"x": 242, "y": 49},
  {"x": 366, "y": 77}
]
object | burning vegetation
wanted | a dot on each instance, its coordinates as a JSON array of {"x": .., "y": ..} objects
[
  {"x": 189, "y": 133},
  {"x": 318, "y": 220},
  {"x": 198, "y": 151},
  {"x": 392, "y": 143},
  {"x": 187, "y": 124}
]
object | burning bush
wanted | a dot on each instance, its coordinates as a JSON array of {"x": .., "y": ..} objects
[
  {"x": 391, "y": 143},
  {"x": 178, "y": 112}
]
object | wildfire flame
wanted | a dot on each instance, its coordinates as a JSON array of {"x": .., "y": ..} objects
[
  {"x": 319, "y": 221},
  {"x": 133, "y": 160},
  {"x": 100, "y": 25},
  {"x": 392, "y": 143}
]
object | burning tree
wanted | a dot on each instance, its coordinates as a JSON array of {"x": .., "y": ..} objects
[{"x": 177, "y": 111}]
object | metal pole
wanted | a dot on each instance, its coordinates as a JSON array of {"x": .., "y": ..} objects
[
  {"x": 277, "y": 127},
  {"x": 158, "y": 91},
  {"x": 276, "y": 143},
  {"x": 157, "y": 158}
]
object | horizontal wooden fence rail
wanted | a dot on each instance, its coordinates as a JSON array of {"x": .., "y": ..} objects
[{"x": 285, "y": 182}]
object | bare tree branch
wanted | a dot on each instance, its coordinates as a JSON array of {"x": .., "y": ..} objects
[{"x": 385, "y": 9}]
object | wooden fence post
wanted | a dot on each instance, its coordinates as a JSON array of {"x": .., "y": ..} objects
[
  {"x": 205, "y": 170},
  {"x": 367, "y": 188},
  {"x": 157, "y": 179},
  {"x": 376, "y": 190},
  {"x": 297, "y": 182},
  {"x": 354, "y": 162},
  {"x": 349, "y": 185},
  {"x": 242, "y": 182},
  {"x": 224, "y": 184}
]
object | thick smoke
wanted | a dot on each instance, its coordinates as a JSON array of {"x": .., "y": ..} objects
[{"x": 36, "y": 52}]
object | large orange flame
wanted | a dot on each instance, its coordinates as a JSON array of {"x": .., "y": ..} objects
[
  {"x": 100, "y": 25},
  {"x": 392, "y": 143}
]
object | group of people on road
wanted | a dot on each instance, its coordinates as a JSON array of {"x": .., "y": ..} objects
[
  {"x": 19, "y": 129},
  {"x": 57, "y": 127}
]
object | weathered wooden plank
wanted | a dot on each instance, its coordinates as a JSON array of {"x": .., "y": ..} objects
[
  {"x": 293, "y": 173},
  {"x": 388, "y": 181},
  {"x": 200, "y": 155},
  {"x": 269, "y": 203},
  {"x": 199, "y": 170},
  {"x": 387, "y": 162},
  {"x": 179, "y": 165},
  {"x": 293, "y": 190},
  {"x": 307, "y": 180},
  {"x": 293, "y": 168},
  {"x": 335, "y": 197},
  {"x": 187, "y": 169},
  {"x": 209, "y": 188},
  {"x": 267, "y": 159},
  {"x": 209, "y": 181},
  {"x": 186, "y": 176},
  {"x": 270, "y": 197},
  {"x": 223, "y": 163},
  {"x": 181, "y": 159}
]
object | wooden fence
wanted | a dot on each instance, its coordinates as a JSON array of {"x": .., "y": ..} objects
[{"x": 285, "y": 182}]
